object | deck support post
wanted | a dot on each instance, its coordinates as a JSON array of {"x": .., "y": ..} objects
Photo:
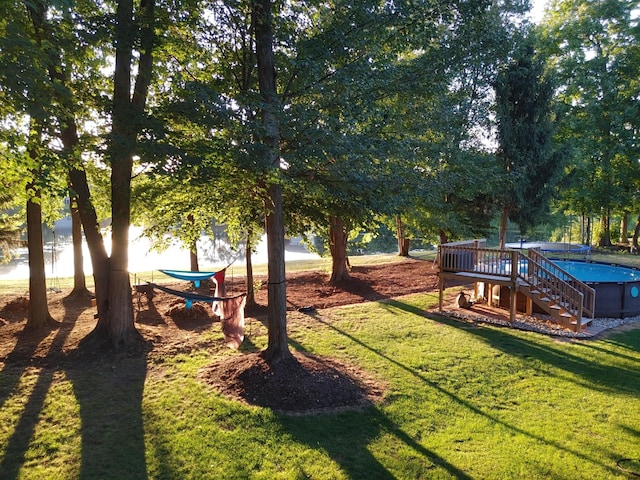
[
  {"x": 512, "y": 304},
  {"x": 529, "y": 305}
]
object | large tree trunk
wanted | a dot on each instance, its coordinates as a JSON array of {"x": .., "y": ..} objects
[
  {"x": 193, "y": 249},
  {"x": 79, "y": 281},
  {"x": 636, "y": 234},
  {"x": 77, "y": 177},
  {"x": 604, "y": 239},
  {"x": 403, "y": 243},
  {"x": 93, "y": 236},
  {"x": 338, "y": 248},
  {"x": 115, "y": 327},
  {"x": 251, "y": 294},
  {"x": 193, "y": 258},
  {"x": 624, "y": 229},
  {"x": 277, "y": 347},
  {"x": 39, "y": 317},
  {"x": 586, "y": 237},
  {"x": 121, "y": 331}
]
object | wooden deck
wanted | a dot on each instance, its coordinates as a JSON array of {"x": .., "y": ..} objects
[{"x": 568, "y": 300}]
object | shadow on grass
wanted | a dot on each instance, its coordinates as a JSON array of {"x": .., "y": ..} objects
[
  {"x": 625, "y": 340},
  {"x": 596, "y": 375},
  {"x": 348, "y": 437},
  {"x": 149, "y": 315},
  {"x": 110, "y": 399},
  {"x": 509, "y": 344},
  {"x": 109, "y": 393},
  {"x": 18, "y": 444}
]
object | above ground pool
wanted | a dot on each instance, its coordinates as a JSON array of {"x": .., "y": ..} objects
[{"x": 617, "y": 288}]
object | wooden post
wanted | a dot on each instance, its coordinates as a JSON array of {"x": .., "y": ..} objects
[{"x": 440, "y": 288}]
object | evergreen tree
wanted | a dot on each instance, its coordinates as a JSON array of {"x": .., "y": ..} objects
[{"x": 531, "y": 168}]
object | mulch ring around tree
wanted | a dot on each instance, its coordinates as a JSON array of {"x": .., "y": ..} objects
[{"x": 303, "y": 384}]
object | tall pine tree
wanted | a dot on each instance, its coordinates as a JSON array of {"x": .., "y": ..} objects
[{"x": 525, "y": 152}]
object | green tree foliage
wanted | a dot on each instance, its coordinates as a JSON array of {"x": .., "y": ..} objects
[
  {"x": 592, "y": 47},
  {"x": 445, "y": 103},
  {"x": 532, "y": 170},
  {"x": 10, "y": 226}
]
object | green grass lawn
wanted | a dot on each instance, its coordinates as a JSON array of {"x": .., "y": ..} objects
[{"x": 462, "y": 401}]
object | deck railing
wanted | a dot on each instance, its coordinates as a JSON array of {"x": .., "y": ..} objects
[
  {"x": 536, "y": 270},
  {"x": 474, "y": 257}
]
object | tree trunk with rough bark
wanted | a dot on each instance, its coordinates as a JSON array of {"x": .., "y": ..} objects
[
  {"x": 39, "y": 317},
  {"x": 193, "y": 249},
  {"x": 338, "y": 248},
  {"x": 251, "y": 294},
  {"x": 93, "y": 236},
  {"x": 624, "y": 229},
  {"x": 277, "y": 347},
  {"x": 115, "y": 327},
  {"x": 403, "y": 243},
  {"x": 193, "y": 258},
  {"x": 79, "y": 281},
  {"x": 604, "y": 238},
  {"x": 503, "y": 226}
]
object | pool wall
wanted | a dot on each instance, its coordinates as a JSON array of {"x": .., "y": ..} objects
[{"x": 617, "y": 300}]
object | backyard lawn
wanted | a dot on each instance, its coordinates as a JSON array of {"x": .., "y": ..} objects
[{"x": 458, "y": 400}]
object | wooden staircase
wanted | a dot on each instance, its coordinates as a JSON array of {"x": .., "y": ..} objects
[
  {"x": 561, "y": 313},
  {"x": 570, "y": 302}
]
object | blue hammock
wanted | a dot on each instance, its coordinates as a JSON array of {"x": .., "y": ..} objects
[
  {"x": 195, "y": 277},
  {"x": 189, "y": 297}
]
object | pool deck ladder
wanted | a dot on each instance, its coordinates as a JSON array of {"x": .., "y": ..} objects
[{"x": 569, "y": 301}]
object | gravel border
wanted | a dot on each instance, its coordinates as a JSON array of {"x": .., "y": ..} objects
[{"x": 542, "y": 324}]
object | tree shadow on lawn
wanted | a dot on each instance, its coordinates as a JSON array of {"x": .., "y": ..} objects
[
  {"x": 18, "y": 443},
  {"x": 109, "y": 393},
  {"x": 595, "y": 375},
  {"x": 110, "y": 399},
  {"x": 505, "y": 342},
  {"x": 347, "y": 438},
  {"x": 623, "y": 338}
]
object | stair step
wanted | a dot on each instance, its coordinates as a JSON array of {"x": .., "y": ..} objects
[
  {"x": 585, "y": 323},
  {"x": 559, "y": 311}
]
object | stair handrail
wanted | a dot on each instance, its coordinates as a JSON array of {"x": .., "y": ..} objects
[
  {"x": 588, "y": 292},
  {"x": 559, "y": 292}
]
